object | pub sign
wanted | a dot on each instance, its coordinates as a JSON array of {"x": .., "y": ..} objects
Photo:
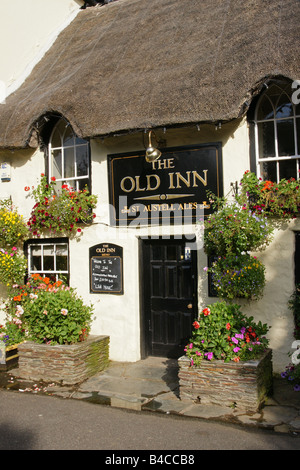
[{"x": 172, "y": 188}]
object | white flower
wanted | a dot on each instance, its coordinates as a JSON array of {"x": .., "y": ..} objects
[
  {"x": 19, "y": 310},
  {"x": 64, "y": 311}
]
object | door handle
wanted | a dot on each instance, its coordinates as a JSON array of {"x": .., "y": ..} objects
[{"x": 190, "y": 306}]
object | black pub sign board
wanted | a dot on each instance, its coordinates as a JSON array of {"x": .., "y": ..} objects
[
  {"x": 106, "y": 269},
  {"x": 171, "y": 189}
]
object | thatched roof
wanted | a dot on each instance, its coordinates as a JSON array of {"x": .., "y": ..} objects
[{"x": 135, "y": 64}]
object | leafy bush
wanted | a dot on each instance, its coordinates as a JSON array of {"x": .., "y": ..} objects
[
  {"x": 222, "y": 332},
  {"x": 49, "y": 313}
]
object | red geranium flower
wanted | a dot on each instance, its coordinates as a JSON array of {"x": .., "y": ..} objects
[{"x": 206, "y": 311}]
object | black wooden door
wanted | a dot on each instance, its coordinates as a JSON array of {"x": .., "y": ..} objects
[{"x": 169, "y": 294}]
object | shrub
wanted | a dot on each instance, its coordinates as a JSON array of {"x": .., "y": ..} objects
[{"x": 49, "y": 313}]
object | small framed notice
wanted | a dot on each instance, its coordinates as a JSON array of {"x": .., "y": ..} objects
[{"x": 106, "y": 269}]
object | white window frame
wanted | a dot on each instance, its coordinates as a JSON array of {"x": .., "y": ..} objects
[
  {"x": 42, "y": 271},
  {"x": 277, "y": 157},
  {"x": 74, "y": 180}
]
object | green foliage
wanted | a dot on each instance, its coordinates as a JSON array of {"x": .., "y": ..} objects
[
  {"x": 49, "y": 313},
  {"x": 240, "y": 276},
  {"x": 11, "y": 334},
  {"x": 222, "y": 332},
  {"x": 13, "y": 229},
  {"x": 292, "y": 374},
  {"x": 12, "y": 266},
  {"x": 60, "y": 213}
]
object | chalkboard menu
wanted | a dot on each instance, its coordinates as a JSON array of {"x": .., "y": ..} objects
[{"x": 106, "y": 269}]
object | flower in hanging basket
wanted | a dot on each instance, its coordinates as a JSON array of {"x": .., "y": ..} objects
[
  {"x": 60, "y": 212},
  {"x": 279, "y": 200},
  {"x": 241, "y": 276},
  {"x": 234, "y": 229}
]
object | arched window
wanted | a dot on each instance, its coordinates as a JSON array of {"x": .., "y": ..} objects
[
  {"x": 277, "y": 133},
  {"x": 68, "y": 156}
]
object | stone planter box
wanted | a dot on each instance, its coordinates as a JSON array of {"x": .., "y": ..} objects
[
  {"x": 64, "y": 364},
  {"x": 8, "y": 356},
  {"x": 244, "y": 385}
]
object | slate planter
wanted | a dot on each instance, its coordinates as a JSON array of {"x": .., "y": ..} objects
[
  {"x": 244, "y": 385},
  {"x": 8, "y": 356},
  {"x": 64, "y": 364}
]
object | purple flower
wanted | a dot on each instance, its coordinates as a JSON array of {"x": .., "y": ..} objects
[
  {"x": 234, "y": 340},
  {"x": 297, "y": 388},
  {"x": 209, "y": 355},
  {"x": 240, "y": 336},
  {"x": 236, "y": 349}
]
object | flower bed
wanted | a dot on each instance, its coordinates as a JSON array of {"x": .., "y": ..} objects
[
  {"x": 243, "y": 385},
  {"x": 64, "y": 364}
]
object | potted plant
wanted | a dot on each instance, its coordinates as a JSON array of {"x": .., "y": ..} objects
[
  {"x": 238, "y": 276},
  {"x": 234, "y": 229},
  {"x": 56, "y": 326},
  {"x": 227, "y": 360}
]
